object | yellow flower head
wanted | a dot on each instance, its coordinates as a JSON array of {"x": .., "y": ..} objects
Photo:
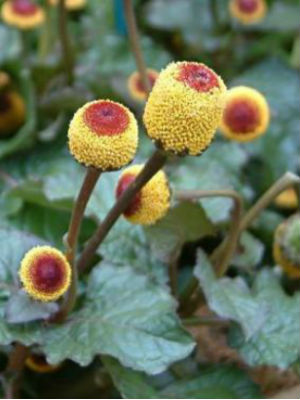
[
  {"x": 45, "y": 273},
  {"x": 287, "y": 199},
  {"x": 71, "y": 5},
  {"x": 246, "y": 115},
  {"x": 185, "y": 108},
  {"x": 103, "y": 134},
  {"x": 4, "y": 80},
  {"x": 136, "y": 87},
  {"x": 153, "y": 200},
  {"x": 23, "y": 14},
  {"x": 286, "y": 247},
  {"x": 38, "y": 363},
  {"x": 248, "y": 11},
  {"x": 12, "y": 112}
]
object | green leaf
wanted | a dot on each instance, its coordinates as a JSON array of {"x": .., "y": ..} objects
[
  {"x": 230, "y": 298},
  {"x": 249, "y": 253},
  {"x": 126, "y": 316},
  {"x": 276, "y": 342},
  {"x": 10, "y": 46},
  {"x": 131, "y": 384},
  {"x": 185, "y": 222},
  {"x": 219, "y": 382}
]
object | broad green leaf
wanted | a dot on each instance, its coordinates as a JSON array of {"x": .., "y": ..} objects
[
  {"x": 249, "y": 252},
  {"x": 231, "y": 298},
  {"x": 185, "y": 222},
  {"x": 217, "y": 382},
  {"x": 131, "y": 384},
  {"x": 276, "y": 342},
  {"x": 126, "y": 316}
]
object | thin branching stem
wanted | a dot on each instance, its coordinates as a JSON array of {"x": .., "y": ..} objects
[{"x": 65, "y": 42}]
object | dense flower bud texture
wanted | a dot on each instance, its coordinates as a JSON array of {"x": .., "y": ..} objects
[
  {"x": 287, "y": 199},
  {"x": 103, "y": 134},
  {"x": 136, "y": 87},
  {"x": 286, "y": 248},
  {"x": 45, "y": 273},
  {"x": 71, "y": 5},
  {"x": 246, "y": 115},
  {"x": 185, "y": 108},
  {"x": 38, "y": 363},
  {"x": 151, "y": 203},
  {"x": 248, "y": 11},
  {"x": 12, "y": 112},
  {"x": 23, "y": 14}
]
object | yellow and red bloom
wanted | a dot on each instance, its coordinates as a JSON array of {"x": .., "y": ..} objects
[
  {"x": 12, "y": 112},
  {"x": 248, "y": 11},
  {"x": 287, "y": 199},
  {"x": 38, "y": 363},
  {"x": 45, "y": 273},
  {"x": 71, "y": 5},
  {"x": 136, "y": 87},
  {"x": 286, "y": 247},
  {"x": 103, "y": 134},
  {"x": 185, "y": 108},
  {"x": 246, "y": 115},
  {"x": 151, "y": 203},
  {"x": 23, "y": 14}
]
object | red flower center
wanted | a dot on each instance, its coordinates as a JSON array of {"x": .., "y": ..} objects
[
  {"x": 48, "y": 273},
  {"x": 106, "y": 118},
  {"x": 242, "y": 116},
  {"x": 135, "y": 203},
  {"x": 139, "y": 84},
  {"x": 247, "y": 6},
  {"x": 24, "y": 7},
  {"x": 198, "y": 77}
]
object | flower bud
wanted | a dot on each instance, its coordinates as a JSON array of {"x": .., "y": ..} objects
[
  {"x": 38, "y": 363},
  {"x": 151, "y": 203},
  {"x": 136, "y": 87},
  {"x": 71, "y": 5},
  {"x": 248, "y": 11},
  {"x": 287, "y": 199},
  {"x": 23, "y": 14},
  {"x": 12, "y": 112},
  {"x": 185, "y": 108},
  {"x": 45, "y": 273},
  {"x": 103, "y": 134}
]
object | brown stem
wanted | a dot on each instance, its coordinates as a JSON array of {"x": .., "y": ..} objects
[
  {"x": 14, "y": 370},
  {"x": 153, "y": 165},
  {"x": 65, "y": 41},
  {"x": 135, "y": 44},
  {"x": 204, "y": 321}
]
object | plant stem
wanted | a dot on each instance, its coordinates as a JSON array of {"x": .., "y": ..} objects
[
  {"x": 45, "y": 34},
  {"x": 88, "y": 185},
  {"x": 14, "y": 370},
  {"x": 135, "y": 44},
  {"x": 214, "y": 12},
  {"x": 287, "y": 180},
  {"x": 153, "y": 165},
  {"x": 204, "y": 321},
  {"x": 173, "y": 271},
  {"x": 65, "y": 42}
]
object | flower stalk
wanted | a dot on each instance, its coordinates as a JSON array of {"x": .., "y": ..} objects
[
  {"x": 14, "y": 370},
  {"x": 65, "y": 42}
]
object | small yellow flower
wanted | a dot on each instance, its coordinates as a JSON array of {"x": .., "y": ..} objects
[
  {"x": 45, "y": 273},
  {"x": 248, "y": 11},
  {"x": 23, "y": 14},
  {"x": 287, "y": 199},
  {"x": 153, "y": 200},
  {"x": 71, "y": 5},
  {"x": 12, "y": 112},
  {"x": 103, "y": 134},
  {"x": 136, "y": 87},
  {"x": 38, "y": 363},
  {"x": 286, "y": 247},
  {"x": 246, "y": 115},
  {"x": 185, "y": 108}
]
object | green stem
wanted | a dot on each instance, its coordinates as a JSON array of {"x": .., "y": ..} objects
[
  {"x": 154, "y": 164},
  {"x": 135, "y": 44},
  {"x": 45, "y": 34},
  {"x": 65, "y": 42},
  {"x": 214, "y": 12},
  {"x": 14, "y": 370}
]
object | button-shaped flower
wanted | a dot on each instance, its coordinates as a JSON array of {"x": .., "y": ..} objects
[
  {"x": 38, "y": 363},
  {"x": 136, "y": 87},
  {"x": 23, "y": 14},
  {"x": 103, "y": 134},
  {"x": 71, "y": 5},
  {"x": 248, "y": 11},
  {"x": 246, "y": 115},
  {"x": 286, "y": 247},
  {"x": 45, "y": 273},
  {"x": 151, "y": 203},
  {"x": 185, "y": 108},
  {"x": 287, "y": 199},
  {"x": 12, "y": 111}
]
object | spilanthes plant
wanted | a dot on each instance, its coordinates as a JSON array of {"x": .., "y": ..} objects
[
  {"x": 22, "y": 14},
  {"x": 45, "y": 273},
  {"x": 246, "y": 115},
  {"x": 151, "y": 203},
  {"x": 286, "y": 248},
  {"x": 135, "y": 85},
  {"x": 287, "y": 199},
  {"x": 248, "y": 11}
]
